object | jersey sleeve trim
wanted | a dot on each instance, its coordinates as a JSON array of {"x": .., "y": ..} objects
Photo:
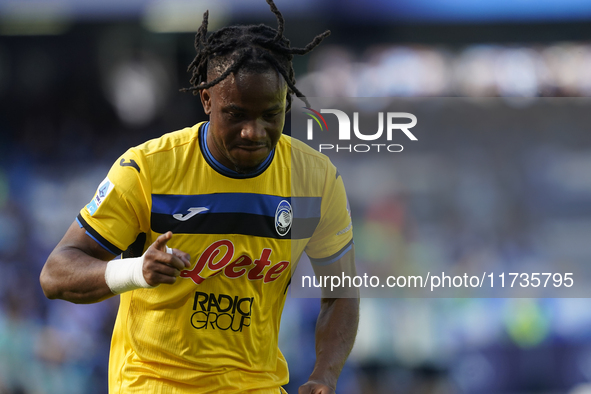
[
  {"x": 92, "y": 233},
  {"x": 331, "y": 259}
]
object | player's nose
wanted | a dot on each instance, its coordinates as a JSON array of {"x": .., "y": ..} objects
[{"x": 253, "y": 131}]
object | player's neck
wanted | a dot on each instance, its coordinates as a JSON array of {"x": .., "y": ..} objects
[{"x": 224, "y": 169}]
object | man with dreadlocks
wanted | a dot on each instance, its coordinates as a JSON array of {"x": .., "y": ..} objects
[{"x": 240, "y": 203}]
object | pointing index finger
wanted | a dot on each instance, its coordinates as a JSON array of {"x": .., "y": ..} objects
[{"x": 161, "y": 241}]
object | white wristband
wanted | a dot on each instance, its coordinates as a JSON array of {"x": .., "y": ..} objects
[{"x": 127, "y": 274}]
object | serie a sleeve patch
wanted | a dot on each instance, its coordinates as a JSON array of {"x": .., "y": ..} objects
[{"x": 101, "y": 194}]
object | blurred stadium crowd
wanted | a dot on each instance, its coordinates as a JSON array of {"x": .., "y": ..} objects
[
  {"x": 73, "y": 103},
  {"x": 550, "y": 70}
]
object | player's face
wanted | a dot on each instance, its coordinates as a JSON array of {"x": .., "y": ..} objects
[{"x": 246, "y": 113}]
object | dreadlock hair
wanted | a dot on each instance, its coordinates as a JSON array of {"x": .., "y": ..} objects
[{"x": 252, "y": 47}]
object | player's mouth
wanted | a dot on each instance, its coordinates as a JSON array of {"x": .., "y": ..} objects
[{"x": 252, "y": 148}]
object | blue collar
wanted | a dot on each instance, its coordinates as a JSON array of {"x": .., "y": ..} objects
[{"x": 222, "y": 169}]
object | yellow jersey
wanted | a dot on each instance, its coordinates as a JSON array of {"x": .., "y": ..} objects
[{"x": 216, "y": 329}]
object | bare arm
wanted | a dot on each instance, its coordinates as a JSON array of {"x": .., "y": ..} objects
[
  {"x": 75, "y": 270},
  {"x": 336, "y": 329}
]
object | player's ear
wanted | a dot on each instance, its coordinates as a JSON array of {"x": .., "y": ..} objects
[{"x": 205, "y": 96}]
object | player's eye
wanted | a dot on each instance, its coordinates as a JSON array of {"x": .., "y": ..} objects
[
  {"x": 235, "y": 115},
  {"x": 271, "y": 115}
]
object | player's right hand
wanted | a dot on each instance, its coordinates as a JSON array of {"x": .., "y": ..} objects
[
  {"x": 161, "y": 267},
  {"x": 315, "y": 387}
]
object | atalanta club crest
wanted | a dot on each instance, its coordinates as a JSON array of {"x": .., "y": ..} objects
[{"x": 283, "y": 218}]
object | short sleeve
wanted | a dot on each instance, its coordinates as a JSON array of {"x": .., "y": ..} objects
[
  {"x": 333, "y": 236},
  {"x": 119, "y": 210}
]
